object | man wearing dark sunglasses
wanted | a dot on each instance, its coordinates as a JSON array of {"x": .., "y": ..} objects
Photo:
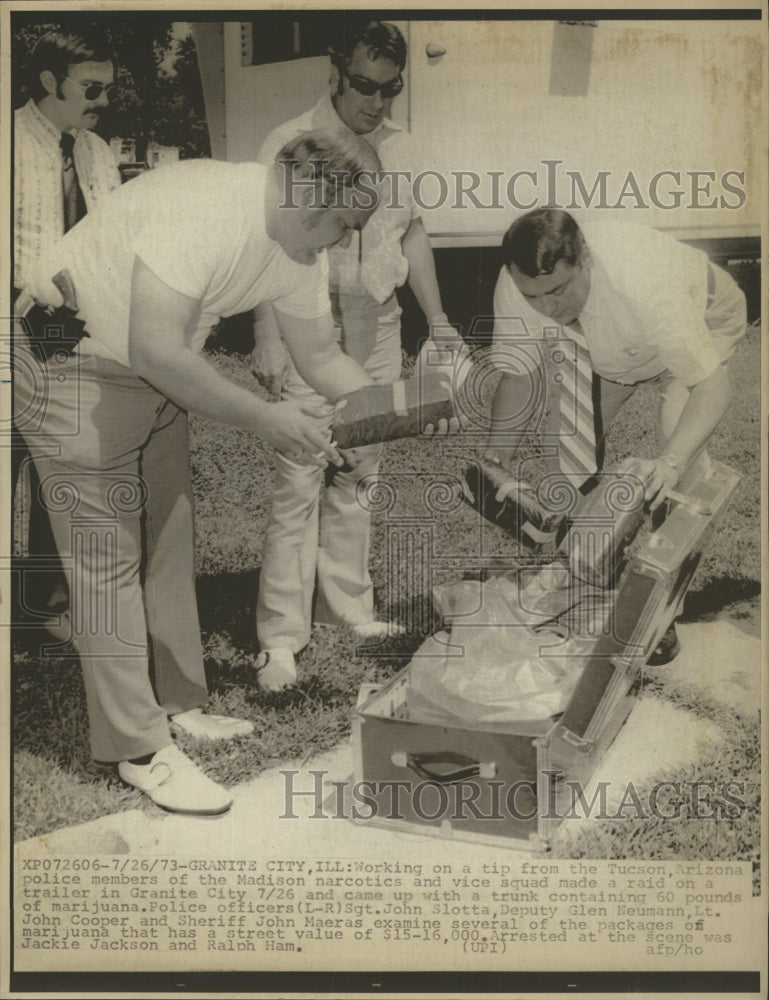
[
  {"x": 367, "y": 83},
  {"x": 329, "y": 538},
  {"x": 61, "y": 170},
  {"x": 71, "y": 82}
]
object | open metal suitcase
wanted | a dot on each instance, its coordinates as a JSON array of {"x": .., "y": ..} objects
[{"x": 513, "y": 783}]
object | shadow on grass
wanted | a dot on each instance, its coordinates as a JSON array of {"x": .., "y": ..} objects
[
  {"x": 227, "y": 603},
  {"x": 49, "y": 714},
  {"x": 724, "y": 594}
]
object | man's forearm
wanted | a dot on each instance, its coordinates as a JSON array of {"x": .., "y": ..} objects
[
  {"x": 509, "y": 419},
  {"x": 265, "y": 325},
  {"x": 333, "y": 376},
  {"x": 318, "y": 357},
  {"x": 704, "y": 407},
  {"x": 422, "y": 277},
  {"x": 702, "y": 413}
]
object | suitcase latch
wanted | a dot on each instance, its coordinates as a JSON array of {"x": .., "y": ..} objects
[{"x": 584, "y": 746}]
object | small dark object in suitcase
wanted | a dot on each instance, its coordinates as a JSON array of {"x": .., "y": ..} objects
[
  {"x": 519, "y": 512},
  {"x": 386, "y": 412}
]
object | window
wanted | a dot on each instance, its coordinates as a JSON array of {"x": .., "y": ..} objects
[{"x": 276, "y": 36}]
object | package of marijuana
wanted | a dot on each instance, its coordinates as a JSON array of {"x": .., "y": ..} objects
[
  {"x": 385, "y": 412},
  {"x": 511, "y": 503}
]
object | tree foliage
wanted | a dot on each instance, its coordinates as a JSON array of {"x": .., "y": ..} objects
[{"x": 160, "y": 96}]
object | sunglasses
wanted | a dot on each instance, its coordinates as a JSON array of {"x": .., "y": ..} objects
[
  {"x": 368, "y": 87},
  {"x": 93, "y": 91}
]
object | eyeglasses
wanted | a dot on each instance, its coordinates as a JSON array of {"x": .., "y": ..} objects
[
  {"x": 93, "y": 91},
  {"x": 368, "y": 87}
]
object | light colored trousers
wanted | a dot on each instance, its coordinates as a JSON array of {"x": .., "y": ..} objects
[
  {"x": 324, "y": 534},
  {"x": 113, "y": 459}
]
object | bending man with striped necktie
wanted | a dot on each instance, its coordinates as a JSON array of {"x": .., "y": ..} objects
[{"x": 625, "y": 305}]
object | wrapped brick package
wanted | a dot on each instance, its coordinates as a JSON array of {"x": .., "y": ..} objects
[
  {"x": 385, "y": 412},
  {"x": 519, "y": 512}
]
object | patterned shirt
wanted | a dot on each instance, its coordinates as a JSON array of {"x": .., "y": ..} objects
[
  {"x": 374, "y": 261},
  {"x": 38, "y": 192}
]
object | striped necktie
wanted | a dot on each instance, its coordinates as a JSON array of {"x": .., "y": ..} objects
[{"x": 576, "y": 444}]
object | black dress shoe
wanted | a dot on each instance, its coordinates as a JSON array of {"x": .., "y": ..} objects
[{"x": 667, "y": 649}]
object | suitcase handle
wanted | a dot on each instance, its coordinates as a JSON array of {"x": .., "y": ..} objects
[{"x": 465, "y": 767}]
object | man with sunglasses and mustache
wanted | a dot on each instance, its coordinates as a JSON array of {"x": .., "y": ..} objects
[
  {"x": 71, "y": 81},
  {"x": 364, "y": 271},
  {"x": 61, "y": 170}
]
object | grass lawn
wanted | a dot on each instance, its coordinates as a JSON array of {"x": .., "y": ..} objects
[{"x": 55, "y": 782}]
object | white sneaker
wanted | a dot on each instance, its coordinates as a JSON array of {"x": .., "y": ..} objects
[
  {"x": 204, "y": 726},
  {"x": 376, "y": 630},
  {"x": 175, "y": 783},
  {"x": 276, "y": 669}
]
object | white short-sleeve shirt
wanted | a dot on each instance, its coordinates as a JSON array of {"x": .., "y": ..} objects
[{"x": 199, "y": 226}]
